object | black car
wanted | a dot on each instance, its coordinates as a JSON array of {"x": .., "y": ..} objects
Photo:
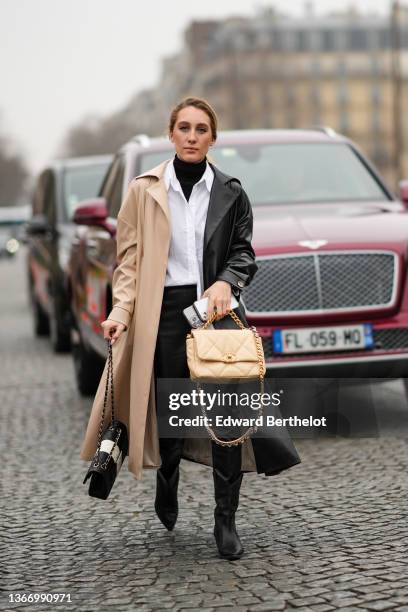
[{"x": 59, "y": 189}]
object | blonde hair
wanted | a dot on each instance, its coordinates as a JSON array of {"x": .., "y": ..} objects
[{"x": 197, "y": 103}]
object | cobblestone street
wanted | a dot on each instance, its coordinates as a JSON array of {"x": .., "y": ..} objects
[{"x": 329, "y": 534}]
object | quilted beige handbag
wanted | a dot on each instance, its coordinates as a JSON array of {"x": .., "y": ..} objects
[{"x": 225, "y": 354}]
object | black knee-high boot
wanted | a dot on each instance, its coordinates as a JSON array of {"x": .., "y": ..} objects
[
  {"x": 166, "y": 503},
  {"x": 227, "y": 482}
]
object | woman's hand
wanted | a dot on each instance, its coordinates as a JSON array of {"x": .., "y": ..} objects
[
  {"x": 219, "y": 297},
  {"x": 112, "y": 330}
]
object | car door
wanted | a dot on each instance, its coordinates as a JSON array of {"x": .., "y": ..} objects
[
  {"x": 43, "y": 243},
  {"x": 100, "y": 260}
]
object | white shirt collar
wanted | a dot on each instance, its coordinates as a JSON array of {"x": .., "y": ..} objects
[{"x": 170, "y": 177}]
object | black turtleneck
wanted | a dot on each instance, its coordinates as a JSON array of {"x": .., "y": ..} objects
[{"x": 188, "y": 173}]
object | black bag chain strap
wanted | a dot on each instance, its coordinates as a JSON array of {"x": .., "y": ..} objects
[{"x": 109, "y": 380}]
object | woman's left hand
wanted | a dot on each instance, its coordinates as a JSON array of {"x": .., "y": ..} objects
[{"x": 219, "y": 297}]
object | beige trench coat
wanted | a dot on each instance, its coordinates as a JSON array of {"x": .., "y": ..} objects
[{"x": 143, "y": 241}]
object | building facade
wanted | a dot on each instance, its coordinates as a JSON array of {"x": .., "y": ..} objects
[{"x": 272, "y": 71}]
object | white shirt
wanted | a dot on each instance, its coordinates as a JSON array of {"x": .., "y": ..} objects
[{"x": 185, "y": 260}]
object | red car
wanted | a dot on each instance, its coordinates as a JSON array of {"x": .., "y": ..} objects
[{"x": 330, "y": 296}]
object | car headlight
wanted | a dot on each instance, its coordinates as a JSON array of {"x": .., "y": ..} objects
[{"x": 12, "y": 245}]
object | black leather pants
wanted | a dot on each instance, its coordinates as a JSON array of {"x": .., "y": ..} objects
[{"x": 170, "y": 359}]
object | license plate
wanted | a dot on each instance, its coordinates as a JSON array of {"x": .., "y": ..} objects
[{"x": 321, "y": 339}]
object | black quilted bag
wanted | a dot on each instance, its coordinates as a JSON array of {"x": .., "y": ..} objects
[{"x": 113, "y": 445}]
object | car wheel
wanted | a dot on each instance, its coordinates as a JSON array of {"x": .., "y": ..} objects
[
  {"x": 41, "y": 321},
  {"x": 59, "y": 333},
  {"x": 88, "y": 366},
  {"x": 405, "y": 381}
]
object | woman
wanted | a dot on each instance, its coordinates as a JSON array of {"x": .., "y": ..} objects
[{"x": 184, "y": 232}]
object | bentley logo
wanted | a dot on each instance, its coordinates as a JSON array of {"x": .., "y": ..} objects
[{"x": 312, "y": 244}]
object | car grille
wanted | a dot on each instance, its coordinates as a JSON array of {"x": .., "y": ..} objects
[
  {"x": 384, "y": 339},
  {"x": 324, "y": 282}
]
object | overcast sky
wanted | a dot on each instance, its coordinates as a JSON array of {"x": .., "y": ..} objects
[{"x": 62, "y": 60}]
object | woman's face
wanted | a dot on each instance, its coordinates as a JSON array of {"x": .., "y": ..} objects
[{"x": 192, "y": 134}]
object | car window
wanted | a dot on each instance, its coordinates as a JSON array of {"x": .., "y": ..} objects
[
  {"x": 147, "y": 161},
  {"x": 44, "y": 196},
  {"x": 80, "y": 183},
  {"x": 113, "y": 188},
  {"x": 291, "y": 172},
  {"x": 299, "y": 172},
  {"x": 108, "y": 182},
  {"x": 50, "y": 198},
  {"x": 37, "y": 198}
]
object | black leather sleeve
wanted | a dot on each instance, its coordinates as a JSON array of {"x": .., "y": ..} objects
[{"x": 240, "y": 266}]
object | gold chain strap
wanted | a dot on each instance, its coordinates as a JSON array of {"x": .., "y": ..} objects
[
  {"x": 258, "y": 342},
  {"x": 231, "y": 313}
]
